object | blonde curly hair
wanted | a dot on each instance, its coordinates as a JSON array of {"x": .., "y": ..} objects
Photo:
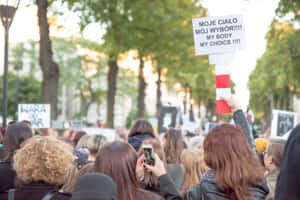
[{"x": 43, "y": 158}]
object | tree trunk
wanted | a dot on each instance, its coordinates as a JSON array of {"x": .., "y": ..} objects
[
  {"x": 49, "y": 68},
  {"x": 199, "y": 107},
  {"x": 112, "y": 89},
  {"x": 141, "y": 92},
  {"x": 158, "y": 93}
]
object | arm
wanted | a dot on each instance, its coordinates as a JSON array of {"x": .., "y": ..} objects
[
  {"x": 240, "y": 120},
  {"x": 167, "y": 188}
]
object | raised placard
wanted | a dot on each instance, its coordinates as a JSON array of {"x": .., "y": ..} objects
[
  {"x": 37, "y": 114},
  {"x": 214, "y": 35}
]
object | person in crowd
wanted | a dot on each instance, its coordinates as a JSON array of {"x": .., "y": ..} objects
[
  {"x": 236, "y": 172},
  {"x": 173, "y": 146},
  {"x": 272, "y": 160},
  {"x": 140, "y": 131},
  {"x": 261, "y": 147},
  {"x": 94, "y": 143},
  {"x": 193, "y": 166},
  {"x": 196, "y": 142},
  {"x": 16, "y": 133},
  {"x": 95, "y": 186},
  {"x": 76, "y": 136},
  {"x": 66, "y": 136},
  {"x": 119, "y": 161},
  {"x": 42, "y": 166},
  {"x": 287, "y": 186},
  {"x": 148, "y": 180},
  {"x": 82, "y": 143},
  {"x": 74, "y": 174}
]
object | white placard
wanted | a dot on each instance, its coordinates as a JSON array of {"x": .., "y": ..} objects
[
  {"x": 110, "y": 134},
  {"x": 37, "y": 114},
  {"x": 220, "y": 59},
  {"x": 213, "y": 35},
  {"x": 283, "y": 122},
  {"x": 223, "y": 92}
]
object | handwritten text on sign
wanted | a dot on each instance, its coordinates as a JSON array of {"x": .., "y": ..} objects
[
  {"x": 218, "y": 34},
  {"x": 37, "y": 114}
]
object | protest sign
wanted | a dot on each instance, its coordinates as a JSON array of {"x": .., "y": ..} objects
[
  {"x": 167, "y": 118},
  {"x": 283, "y": 122},
  {"x": 110, "y": 134},
  {"x": 214, "y": 35},
  {"x": 223, "y": 88},
  {"x": 37, "y": 114},
  {"x": 221, "y": 59}
]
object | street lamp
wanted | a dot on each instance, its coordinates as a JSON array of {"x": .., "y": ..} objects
[{"x": 8, "y": 10}]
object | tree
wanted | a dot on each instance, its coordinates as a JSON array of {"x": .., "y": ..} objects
[
  {"x": 28, "y": 91},
  {"x": 50, "y": 69}
]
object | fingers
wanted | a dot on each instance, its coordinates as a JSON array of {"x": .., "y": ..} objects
[{"x": 141, "y": 160}]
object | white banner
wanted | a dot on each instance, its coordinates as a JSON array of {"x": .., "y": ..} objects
[
  {"x": 37, "y": 114},
  {"x": 213, "y": 35}
]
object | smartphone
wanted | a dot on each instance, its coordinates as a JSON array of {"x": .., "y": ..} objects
[{"x": 148, "y": 153}]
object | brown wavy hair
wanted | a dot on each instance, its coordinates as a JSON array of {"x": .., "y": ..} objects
[
  {"x": 193, "y": 166},
  {"x": 149, "y": 179},
  {"x": 173, "y": 146},
  {"x": 236, "y": 167},
  {"x": 43, "y": 158},
  {"x": 141, "y": 126},
  {"x": 118, "y": 160}
]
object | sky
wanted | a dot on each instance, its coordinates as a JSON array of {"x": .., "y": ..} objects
[{"x": 258, "y": 15}]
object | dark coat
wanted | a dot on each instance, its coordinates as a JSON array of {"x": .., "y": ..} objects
[
  {"x": 7, "y": 176},
  {"x": 207, "y": 189},
  {"x": 288, "y": 179},
  {"x": 176, "y": 173},
  {"x": 137, "y": 140},
  {"x": 36, "y": 191}
]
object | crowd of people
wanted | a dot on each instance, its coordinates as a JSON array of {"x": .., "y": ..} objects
[{"x": 225, "y": 163}]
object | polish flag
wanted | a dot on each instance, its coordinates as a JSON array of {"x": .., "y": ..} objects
[{"x": 222, "y": 88}]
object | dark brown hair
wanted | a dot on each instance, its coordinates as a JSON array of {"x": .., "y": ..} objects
[
  {"x": 275, "y": 150},
  {"x": 141, "y": 126},
  {"x": 77, "y": 135},
  {"x": 236, "y": 167},
  {"x": 16, "y": 133},
  {"x": 149, "y": 179},
  {"x": 173, "y": 146},
  {"x": 118, "y": 160}
]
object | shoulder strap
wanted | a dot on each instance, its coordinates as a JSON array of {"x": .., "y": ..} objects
[
  {"x": 11, "y": 194},
  {"x": 48, "y": 196}
]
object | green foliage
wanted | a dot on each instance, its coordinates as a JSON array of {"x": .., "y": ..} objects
[
  {"x": 21, "y": 89},
  {"x": 132, "y": 116},
  {"x": 289, "y": 7},
  {"x": 277, "y": 70}
]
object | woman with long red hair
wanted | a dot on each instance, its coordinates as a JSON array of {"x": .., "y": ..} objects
[{"x": 236, "y": 172}]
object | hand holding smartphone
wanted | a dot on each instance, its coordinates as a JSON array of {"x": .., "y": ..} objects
[{"x": 149, "y": 155}]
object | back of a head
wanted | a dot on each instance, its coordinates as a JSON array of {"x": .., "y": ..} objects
[
  {"x": 143, "y": 127},
  {"x": 236, "y": 167},
  {"x": 194, "y": 166},
  {"x": 173, "y": 146},
  {"x": 275, "y": 149},
  {"x": 118, "y": 160},
  {"x": 77, "y": 135},
  {"x": 94, "y": 186},
  {"x": 288, "y": 180},
  {"x": 95, "y": 142},
  {"x": 16, "y": 134},
  {"x": 82, "y": 143},
  {"x": 43, "y": 158},
  {"x": 196, "y": 143}
]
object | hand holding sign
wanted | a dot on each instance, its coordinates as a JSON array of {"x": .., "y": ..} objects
[{"x": 232, "y": 103}]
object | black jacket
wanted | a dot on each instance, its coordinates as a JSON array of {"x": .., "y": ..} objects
[
  {"x": 207, "y": 189},
  {"x": 36, "y": 191},
  {"x": 167, "y": 188},
  {"x": 7, "y": 176}
]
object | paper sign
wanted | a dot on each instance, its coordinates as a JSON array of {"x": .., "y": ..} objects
[
  {"x": 222, "y": 69},
  {"x": 283, "y": 122},
  {"x": 110, "y": 134},
  {"x": 213, "y": 35},
  {"x": 37, "y": 114},
  {"x": 167, "y": 118},
  {"x": 220, "y": 59}
]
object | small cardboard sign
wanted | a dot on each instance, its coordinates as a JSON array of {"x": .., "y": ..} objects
[
  {"x": 213, "y": 35},
  {"x": 283, "y": 122},
  {"x": 37, "y": 114},
  {"x": 167, "y": 118}
]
